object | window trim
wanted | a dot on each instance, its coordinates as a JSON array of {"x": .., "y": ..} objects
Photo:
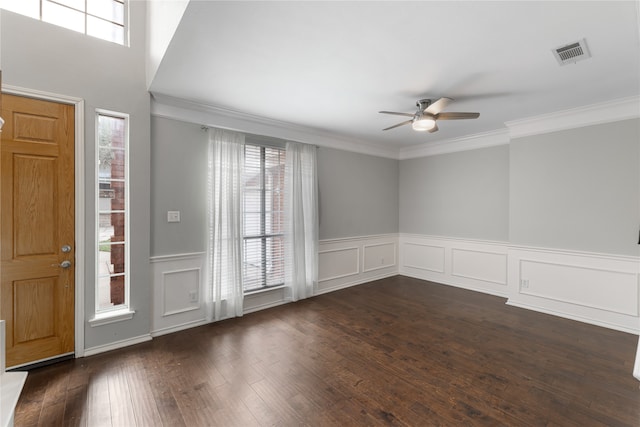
[
  {"x": 263, "y": 236},
  {"x": 123, "y": 311}
]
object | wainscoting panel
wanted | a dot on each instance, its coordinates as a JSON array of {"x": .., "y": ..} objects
[
  {"x": 379, "y": 256},
  {"x": 593, "y": 288},
  {"x": 475, "y": 265},
  {"x": 338, "y": 263},
  {"x": 174, "y": 285},
  {"x": 355, "y": 260},
  {"x": 420, "y": 256},
  {"x": 178, "y": 283},
  {"x": 478, "y": 265}
]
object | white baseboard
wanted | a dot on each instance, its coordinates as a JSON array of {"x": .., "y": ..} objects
[
  {"x": 568, "y": 315},
  {"x": 360, "y": 281},
  {"x": 116, "y": 345},
  {"x": 178, "y": 328}
]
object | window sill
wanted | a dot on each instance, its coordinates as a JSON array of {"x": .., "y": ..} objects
[
  {"x": 111, "y": 317},
  {"x": 262, "y": 290}
]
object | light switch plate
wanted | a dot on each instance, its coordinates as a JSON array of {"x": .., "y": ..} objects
[{"x": 173, "y": 216}]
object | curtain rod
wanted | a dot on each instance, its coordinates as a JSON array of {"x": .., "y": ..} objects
[{"x": 206, "y": 128}]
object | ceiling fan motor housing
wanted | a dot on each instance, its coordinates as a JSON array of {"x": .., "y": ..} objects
[{"x": 423, "y": 104}]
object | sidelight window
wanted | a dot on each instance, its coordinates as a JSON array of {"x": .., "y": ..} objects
[{"x": 112, "y": 213}]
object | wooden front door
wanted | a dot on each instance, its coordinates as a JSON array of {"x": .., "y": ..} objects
[{"x": 37, "y": 251}]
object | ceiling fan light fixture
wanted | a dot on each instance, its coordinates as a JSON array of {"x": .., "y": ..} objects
[{"x": 423, "y": 123}]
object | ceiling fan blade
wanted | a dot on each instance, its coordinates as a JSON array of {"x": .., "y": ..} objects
[
  {"x": 457, "y": 116},
  {"x": 433, "y": 129},
  {"x": 438, "y": 106},
  {"x": 399, "y": 124},
  {"x": 396, "y": 113}
]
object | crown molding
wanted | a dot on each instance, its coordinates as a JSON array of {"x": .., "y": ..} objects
[
  {"x": 453, "y": 145},
  {"x": 610, "y": 111},
  {"x": 208, "y": 115}
]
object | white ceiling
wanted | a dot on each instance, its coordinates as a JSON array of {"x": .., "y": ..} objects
[{"x": 331, "y": 66}]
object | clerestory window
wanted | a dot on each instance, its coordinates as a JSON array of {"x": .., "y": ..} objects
[{"x": 104, "y": 19}]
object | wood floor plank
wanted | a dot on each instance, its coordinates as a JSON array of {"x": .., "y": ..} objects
[
  {"x": 397, "y": 351},
  {"x": 75, "y": 406}
]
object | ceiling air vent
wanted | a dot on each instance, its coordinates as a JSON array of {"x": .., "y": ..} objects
[{"x": 572, "y": 53}]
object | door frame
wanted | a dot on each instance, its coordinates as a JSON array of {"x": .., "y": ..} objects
[{"x": 80, "y": 211}]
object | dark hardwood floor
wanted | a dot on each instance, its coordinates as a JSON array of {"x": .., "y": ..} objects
[{"x": 396, "y": 351}]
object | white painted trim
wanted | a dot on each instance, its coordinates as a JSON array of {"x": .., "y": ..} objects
[
  {"x": 358, "y": 238},
  {"x": 127, "y": 214},
  {"x": 382, "y": 266},
  {"x": 444, "y": 281},
  {"x": 116, "y": 345},
  {"x": 426, "y": 246},
  {"x": 355, "y": 283},
  {"x": 340, "y": 276},
  {"x": 265, "y": 306},
  {"x": 180, "y": 327},
  {"x": 438, "y": 266},
  {"x": 186, "y": 312},
  {"x": 108, "y": 317},
  {"x": 482, "y": 279},
  {"x": 610, "y": 111},
  {"x": 565, "y": 315},
  {"x": 177, "y": 257},
  {"x": 453, "y": 145},
  {"x": 263, "y": 290},
  {"x": 581, "y": 293},
  {"x": 163, "y": 300},
  {"x": 575, "y": 252},
  {"x": 525, "y": 291},
  {"x": 80, "y": 210},
  {"x": 203, "y": 114},
  {"x": 461, "y": 240}
]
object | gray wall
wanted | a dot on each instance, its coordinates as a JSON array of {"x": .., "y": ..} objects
[
  {"x": 464, "y": 194},
  {"x": 41, "y": 56},
  {"x": 358, "y": 194},
  {"x": 577, "y": 189},
  {"x": 179, "y": 183}
]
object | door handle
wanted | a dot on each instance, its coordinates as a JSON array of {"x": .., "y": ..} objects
[{"x": 64, "y": 264}]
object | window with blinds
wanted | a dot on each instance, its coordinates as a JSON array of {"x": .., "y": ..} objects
[{"x": 263, "y": 181}]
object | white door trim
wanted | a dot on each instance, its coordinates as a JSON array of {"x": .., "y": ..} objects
[{"x": 78, "y": 104}]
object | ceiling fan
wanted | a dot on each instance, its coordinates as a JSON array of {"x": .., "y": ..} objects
[{"x": 428, "y": 114}]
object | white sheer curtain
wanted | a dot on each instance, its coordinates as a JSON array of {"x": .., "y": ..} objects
[
  {"x": 224, "y": 251},
  {"x": 301, "y": 221}
]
